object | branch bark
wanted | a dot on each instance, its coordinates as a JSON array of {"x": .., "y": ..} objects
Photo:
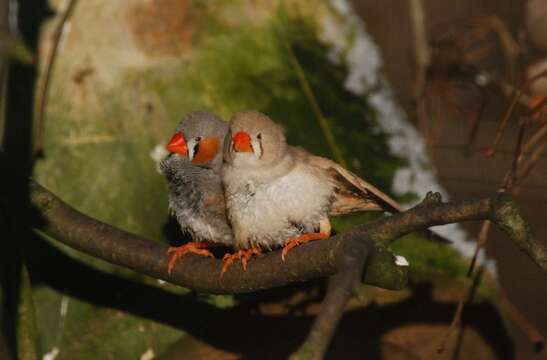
[
  {"x": 317, "y": 259},
  {"x": 339, "y": 292}
]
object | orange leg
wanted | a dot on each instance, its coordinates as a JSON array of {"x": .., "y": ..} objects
[
  {"x": 175, "y": 252},
  {"x": 244, "y": 255},
  {"x": 302, "y": 239}
]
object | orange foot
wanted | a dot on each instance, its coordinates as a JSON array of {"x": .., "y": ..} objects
[
  {"x": 302, "y": 239},
  {"x": 244, "y": 255},
  {"x": 175, "y": 252}
]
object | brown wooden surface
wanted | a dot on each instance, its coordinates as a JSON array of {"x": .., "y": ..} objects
[{"x": 466, "y": 176}]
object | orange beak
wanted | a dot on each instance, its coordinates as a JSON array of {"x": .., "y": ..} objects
[
  {"x": 177, "y": 145},
  {"x": 242, "y": 142}
]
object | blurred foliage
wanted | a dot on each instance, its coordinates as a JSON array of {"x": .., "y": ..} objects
[{"x": 15, "y": 49}]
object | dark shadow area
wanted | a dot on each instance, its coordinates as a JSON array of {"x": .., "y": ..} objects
[
  {"x": 256, "y": 336},
  {"x": 374, "y": 321},
  {"x": 16, "y": 164},
  {"x": 243, "y": 329},
  {"x": 49, "y": 266},
  {"x": 172, "y": 232}
]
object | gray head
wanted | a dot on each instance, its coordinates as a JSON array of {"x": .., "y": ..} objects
[
  {"x": 254, "y": 140},
  {"x": 199, "y": 140}
]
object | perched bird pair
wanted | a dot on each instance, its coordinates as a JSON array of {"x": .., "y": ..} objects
[{"x": 265, "y": 195}]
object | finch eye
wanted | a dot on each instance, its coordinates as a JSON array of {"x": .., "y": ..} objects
[{"x": 259, "y": 136}]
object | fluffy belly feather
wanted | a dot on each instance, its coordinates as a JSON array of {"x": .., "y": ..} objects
[{"x": 269, "y": 214}]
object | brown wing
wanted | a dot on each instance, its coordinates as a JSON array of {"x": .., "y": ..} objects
[{"x": 353, "y": 194}]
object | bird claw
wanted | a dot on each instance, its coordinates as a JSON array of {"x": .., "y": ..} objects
[
  {"x": 293, "y": 242},
  {"x": 289, "y": 245},
  {"x": 247, "y": 254},
  {"x": 176, "y": 252},
  {"x": 244, "y": 255},
  {"x": 227, "y": 261}
]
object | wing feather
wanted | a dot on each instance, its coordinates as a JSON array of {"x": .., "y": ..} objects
[{"x": 353, "y": 194}]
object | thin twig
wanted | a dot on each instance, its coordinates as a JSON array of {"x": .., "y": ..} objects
[
  {"x": 507, "y": 89},
  {"x": 531, "y": 163},
  {"x": 515, "y": 98},
  {"x": 477, "y": 119},
  {"x": 510, "y": 177},
  {"x": 422, "y": 58},
  {"x": 312, "y": 99},
  {"x": 456, "y": 318},
  {"x": 481, "y": 241},
  {"x": 43, "y": 89},
  {"x": 526, "y": 326},
  {"x": 538, "y": 105},
  {"x": 534, "y": 140},
  {"x": 468, "y": 295},
  {"x": 501, "y": 128},
  {"x": 510, "y": 47}
]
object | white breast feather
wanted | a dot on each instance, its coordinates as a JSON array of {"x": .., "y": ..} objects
[{"x": 268, "y": 217}]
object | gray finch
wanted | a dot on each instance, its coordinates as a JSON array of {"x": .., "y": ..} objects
[{"x": 192, "y": 170}]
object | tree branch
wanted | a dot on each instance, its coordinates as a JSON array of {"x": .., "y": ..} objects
[
  {"x": 343, "y": 256},
  {"x": 500, "y": 209},
  {"x": 317, "y": 259},
  {"x": 339, "y": 292}
]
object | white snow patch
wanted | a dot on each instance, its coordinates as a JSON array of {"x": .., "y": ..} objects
[
  {"x": 334, "y": 35},
  {"x": 158, "y": 153},
  {"x": 401, "y": 261},
  {"x": 364, "y": 63},
  {"x": 148, "y": 355},
  {"x": 342, "y": 6},
  {"x": 51, "y": 355}
]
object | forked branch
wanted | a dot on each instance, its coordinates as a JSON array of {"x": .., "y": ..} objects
[{"x": 358, "y": 255}]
